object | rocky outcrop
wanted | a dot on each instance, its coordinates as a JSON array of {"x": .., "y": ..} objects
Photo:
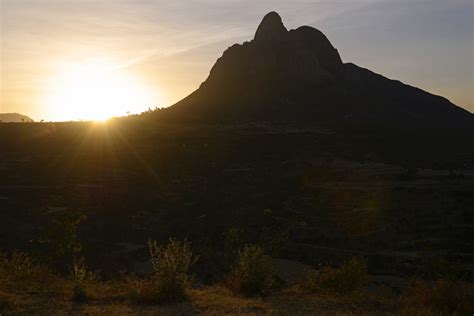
[
  {"x": 276, "y": 54},
  {"x": 271, "y": 29},
  {"x": 317, "y": 43}
]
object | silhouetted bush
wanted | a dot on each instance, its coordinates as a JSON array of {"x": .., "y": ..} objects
[
  {"x": 253, "y": 272},
  {"x": 349, "y": 277},
  {"x": 171, "y": 276}
]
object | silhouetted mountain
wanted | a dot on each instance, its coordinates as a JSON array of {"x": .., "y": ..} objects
[
  {"x": 298, "y": 75},
  {"x": 14, "y": 117}
]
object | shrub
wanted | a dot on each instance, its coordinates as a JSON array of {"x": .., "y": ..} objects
[
  {"x": 253, "y": 272},
  {"x": 171, "y": 276},
  {"x": 349, "y": 277},
  {"x": 19, "y": 272},
  {"x": 444, "y": 295}
]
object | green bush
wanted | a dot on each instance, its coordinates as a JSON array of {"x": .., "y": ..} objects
[
  {"x": 253, "y": 272},
  {"x": 349, "y": 277},
  {"x": 171, "y": 276}
]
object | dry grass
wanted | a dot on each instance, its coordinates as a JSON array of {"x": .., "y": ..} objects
[
  {"x": 218, "y": 300},
  {"x": 20, "y": 273},
  {"x": 7, "y": 302},
  {"x": 111, "y": 299},
  {"x": 444, "y": 295}
]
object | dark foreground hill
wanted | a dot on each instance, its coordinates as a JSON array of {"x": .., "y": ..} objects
[
  {"x": 298, "y": 76},
  {"x": 302, "y": 194}
]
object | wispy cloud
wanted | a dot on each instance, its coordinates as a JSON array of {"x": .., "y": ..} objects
[{"x": 400, "y": 38}]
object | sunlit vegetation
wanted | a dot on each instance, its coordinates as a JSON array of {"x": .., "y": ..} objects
[
  {"x": 171, "y": 274},
  {"x": 27, "y": 286},
  {"x": 57, "y": 276}
]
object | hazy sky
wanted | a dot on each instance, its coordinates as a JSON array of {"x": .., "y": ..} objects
[{"x": 170, "y": 46}]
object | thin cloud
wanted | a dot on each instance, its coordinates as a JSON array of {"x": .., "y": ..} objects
[{"x": 145, "y": 34}]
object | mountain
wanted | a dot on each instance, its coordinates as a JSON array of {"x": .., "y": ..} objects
[
  {"x": 299, "y": 76},
  {"x": 14, "y": 117}
]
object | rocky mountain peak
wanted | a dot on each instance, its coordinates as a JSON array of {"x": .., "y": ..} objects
[{"x": 271, "y": 28}]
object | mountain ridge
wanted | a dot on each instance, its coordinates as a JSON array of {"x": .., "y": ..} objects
[{"x": 298, "y": 75}]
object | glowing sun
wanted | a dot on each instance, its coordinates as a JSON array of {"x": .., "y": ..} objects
[{"x": 96, "y": 91}]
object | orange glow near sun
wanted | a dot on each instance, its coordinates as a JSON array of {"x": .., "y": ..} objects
[{"x": 96, "y": 91}]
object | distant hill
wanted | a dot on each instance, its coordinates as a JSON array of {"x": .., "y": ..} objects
[
  {"x": 299, "y": 76},
  {"x": 14, "y": 118}
]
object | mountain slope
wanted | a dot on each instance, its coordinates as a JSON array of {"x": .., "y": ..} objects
[{"x": 298, "y": 75}]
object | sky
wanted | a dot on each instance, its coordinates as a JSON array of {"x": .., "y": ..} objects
[{"x": 165, "y": 49}]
